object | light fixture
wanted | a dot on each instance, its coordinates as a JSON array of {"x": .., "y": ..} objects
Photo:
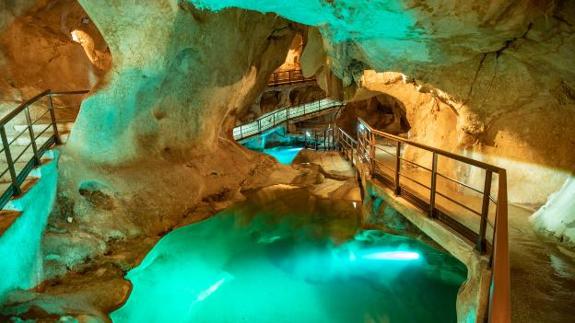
[{"x": 392, "y": 255}]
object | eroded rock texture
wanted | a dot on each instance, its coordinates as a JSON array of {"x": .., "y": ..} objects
[
  {"x": 48, "y": 45},
  {"x": 498, "y": 75},
  {"x": 502, "y": 69},
  {"x": 154, "y": 140}
]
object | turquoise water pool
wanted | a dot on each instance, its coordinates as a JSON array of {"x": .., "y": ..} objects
[
  {"x": 289, "y": 257},
  {"x": 283, "y": 154}
]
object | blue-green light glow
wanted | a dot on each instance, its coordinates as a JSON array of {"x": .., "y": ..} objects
[
  {"x": 393, "y": 255},
  {"x": 291, "y": 258},
  {"x": 20, "y": 255},
  {"x": 284, "y": 155},
  {"x": 381, "y": 28}
]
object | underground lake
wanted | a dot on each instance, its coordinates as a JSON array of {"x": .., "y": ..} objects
[{"x": 284, "y": 255}]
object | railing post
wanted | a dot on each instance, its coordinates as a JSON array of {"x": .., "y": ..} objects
[
  {"x": 57, "y": 138},
  {"x": 433, "y": 186},
  {"x": 500, "y": 300},
  {"x": 9, "y": 161},
  {"x": 32, "y": 136},
  {"x": 241, "y": 132},
  {"x": 259, "y": 125},
  {"x": 484, "y": 211},
  {"x": 397, "y": 168},
  {"x": 372, "y": 152}
]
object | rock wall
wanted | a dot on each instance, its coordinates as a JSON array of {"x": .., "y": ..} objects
[
  {"x": 153, "y": 141},
  {"x": 48, "y": 45},
  {"x": 383, "y": 112},
  {"x": 502, "y": 71}
]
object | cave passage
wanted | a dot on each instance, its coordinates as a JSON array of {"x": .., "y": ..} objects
[
  {"x": 283, "y": 256},
  {"x": 420, "y": 161}
]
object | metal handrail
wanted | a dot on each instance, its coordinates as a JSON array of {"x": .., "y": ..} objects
[
  {"x": 18, "y": 177},
  {"x": 499, "y": 306},
  {"x": 444, "y": 153},
  {"x": 274, "y": 118}
]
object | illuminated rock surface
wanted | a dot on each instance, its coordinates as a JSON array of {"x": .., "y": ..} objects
[
  {"x": 294, "y": 258},
  {"x": 491, "y": 80},
  {"x": 20, "y": 244},
  {"x": 284, "y": 155},
  {"x": 38, "y": 51}
]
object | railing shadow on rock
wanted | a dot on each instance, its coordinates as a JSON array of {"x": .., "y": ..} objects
[
  {"x": 20, "y": 154},
  {"x": 383, "y": 156}
]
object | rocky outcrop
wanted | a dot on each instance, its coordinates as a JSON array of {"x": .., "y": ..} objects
[
  {"x": 48, "y": 45},
  {"x": 382, "y": 112},
  {"x": 153, "y": 141}
]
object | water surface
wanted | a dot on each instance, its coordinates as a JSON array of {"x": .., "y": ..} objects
[
  {"x": 283, "y": 154},
  {"x": 290, "y": 257}
]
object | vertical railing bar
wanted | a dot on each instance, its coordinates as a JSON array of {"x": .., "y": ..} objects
[
  {"x": 433, "y": 185},
  {"x": 500, "y": 300},
  {"x": 57, "y": 138},
  {"x": 32, "y": 136},
  {"x": 397, "y": 168},
  {"x": 9, "y": 161},
  {"x": 484, "y": 211},
  {"x": 372, "y": 152}
]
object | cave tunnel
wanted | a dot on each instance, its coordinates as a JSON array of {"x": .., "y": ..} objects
[{"x": 275, "y": 161}]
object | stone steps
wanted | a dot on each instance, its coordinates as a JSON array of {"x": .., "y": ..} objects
[{"x": 23, "y": 141}]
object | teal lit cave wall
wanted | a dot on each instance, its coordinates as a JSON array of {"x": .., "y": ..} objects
[
  {"x": 382, "y": 28},
  {"x": 20, "y": 256}
]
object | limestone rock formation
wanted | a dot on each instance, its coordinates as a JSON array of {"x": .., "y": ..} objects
[
  {"x": 48, "y": 45},
  {"x": 154, "y": 140},
  {"x": 498, "y": 75}
]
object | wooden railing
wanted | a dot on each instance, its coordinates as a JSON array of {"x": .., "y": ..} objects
[
  {"x": 277, "y": 117},
  {"x": 288, "y": 77},
  {"x": 41, "y": 137},
  {"x": 470, "y": 215}
]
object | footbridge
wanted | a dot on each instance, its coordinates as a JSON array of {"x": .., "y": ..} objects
[
  {"x": 474, "y": 218},
  {"x": 281, "y": 116}
]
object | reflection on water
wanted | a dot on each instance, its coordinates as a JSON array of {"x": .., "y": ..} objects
[
  {"x": 289, "y": 257},
  {"x": 283, "y": 154}
]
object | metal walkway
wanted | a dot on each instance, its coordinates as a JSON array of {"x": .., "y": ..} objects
[
  {"x": 277, "y": 117},
  {"x": 478, "y": 215}
]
